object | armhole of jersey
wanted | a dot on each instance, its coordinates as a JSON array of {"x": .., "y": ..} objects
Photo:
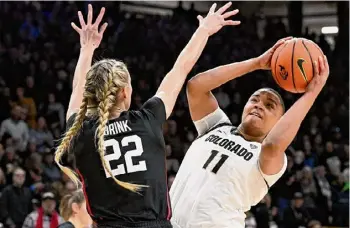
[
  {"x": 267, "y": 184},
  {"x": 70, "y": 120},
  {"x": 280, "y": 172}
]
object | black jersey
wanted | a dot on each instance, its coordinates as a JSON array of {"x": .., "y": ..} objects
[{"x": 135, "y": 151}]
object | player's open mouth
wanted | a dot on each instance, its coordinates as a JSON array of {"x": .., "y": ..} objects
[{"x": 256, "y": 114}]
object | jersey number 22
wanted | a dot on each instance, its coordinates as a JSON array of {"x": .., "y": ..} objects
[{"x": 129, "y": 166}]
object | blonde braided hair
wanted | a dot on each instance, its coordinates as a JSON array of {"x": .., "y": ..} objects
[
  {"x": 108, "y": 95},
  {"x": 103, "y": 83},
  {"x": 66, "y": 141}
]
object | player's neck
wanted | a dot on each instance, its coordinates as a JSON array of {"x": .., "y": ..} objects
[
  {"x": 76, "y": 223},
  {"x": 115, "y": 113},
  {"x": 240, "y": 130}
]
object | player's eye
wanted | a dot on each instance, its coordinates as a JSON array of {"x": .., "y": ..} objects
[
  {"x": 254, "y": 100},
  {"x": 270, "y": 106}
]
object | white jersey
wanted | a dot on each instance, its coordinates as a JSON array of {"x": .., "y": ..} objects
[{"x": 219, "y": 178}]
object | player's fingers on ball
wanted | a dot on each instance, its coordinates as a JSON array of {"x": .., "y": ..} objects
[
  {"x": 321, "y": 64},
  {"x": 224, "y": 8},
  {"x": 326, "y": 63},
  {"x": 230, "y": 13},
  {"x": 81, "y": 19},
  {"x": 279, "y": 43},
  {"x": 76, "y": 28},
  {"x": 100, "y": 16},
  {"x": 287, "y": 38},
  {"x": 103, "y": 28},
  {"x": 316, "y": 70},
  {"x": 90, "y": 12},
  {"x": 212, "y": 8}
]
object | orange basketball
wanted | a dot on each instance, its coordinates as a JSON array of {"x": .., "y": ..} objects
[{"x": 292, "y": 64}]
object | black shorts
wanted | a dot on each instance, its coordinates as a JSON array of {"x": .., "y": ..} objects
[{"x": 150, "y": 224}]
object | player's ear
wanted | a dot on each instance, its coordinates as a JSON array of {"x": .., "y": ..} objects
[
  {"x": 123, "y": 92},
  {"x": 75, "y": 208}
]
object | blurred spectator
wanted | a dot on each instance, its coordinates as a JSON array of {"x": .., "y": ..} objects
[
  {"x": 27, "y": 103},
  {"x": 324, "y": 195},
  {"x": 41, "y": 135},
  {"x": 15, "y": 128},
  {"x": 174, "y": 140},
  {"x": 223, "y": 98},
  {"x": 15, "y": 201},
  {"x": 46, "y": 216},
  {"x": 53, "y": 111},
  {"x": 50, "y": 171},
  {"x": 266, "y": 215},
  {"x": 296, "y": 215},
  {"x": 172, "y": 163},
  {"x": 250, "y": 221},
  {"x": 314, "y": 224},
  {"x": 308, "y": 187}
]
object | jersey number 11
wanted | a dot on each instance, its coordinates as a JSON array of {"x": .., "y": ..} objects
[{"x": 218, "y": 165}]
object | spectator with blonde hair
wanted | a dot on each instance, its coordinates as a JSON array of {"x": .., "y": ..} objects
[{"x": 73, "y": 210}]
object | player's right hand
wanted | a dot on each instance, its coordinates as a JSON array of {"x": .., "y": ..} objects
[
  {"x": 90, "y": 36},
  {"x": 264, "y": 60},
  {"x": 214, "y": 21}
]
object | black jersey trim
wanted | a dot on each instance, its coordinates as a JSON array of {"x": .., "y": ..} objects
[
  {"x": 267, "y": 185},
  {"x": 81, "y": 177},
  {"x": 213, "y": 128}
]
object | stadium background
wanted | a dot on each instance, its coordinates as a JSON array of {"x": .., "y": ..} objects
[{"x": 39, "y": 50}]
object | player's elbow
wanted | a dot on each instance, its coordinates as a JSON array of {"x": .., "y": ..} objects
[{"x": 193, "y": 85}]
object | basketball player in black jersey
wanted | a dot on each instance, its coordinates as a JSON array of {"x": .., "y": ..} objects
[{"x": 119, "y": 154}]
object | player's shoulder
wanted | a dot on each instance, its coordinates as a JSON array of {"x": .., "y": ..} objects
[
  {"x": 153, "y": 108},
  {"x": 134, "y": 116},
  {"x": 224, "y": 127}
]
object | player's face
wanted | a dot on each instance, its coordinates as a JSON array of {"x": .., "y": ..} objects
[
  {"x": 128, "y": 94},
  {"x": 262, "y": 111}
]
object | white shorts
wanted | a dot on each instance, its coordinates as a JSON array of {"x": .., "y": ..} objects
[{"x": 236, "y": 221}]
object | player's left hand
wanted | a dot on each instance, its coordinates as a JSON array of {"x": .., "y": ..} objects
[
  {"x": 321, "y": 73},
  {"x": 90, "y": 36},
  {"x": 264, "y": 60},
  {"x": 215, "y": 20}
]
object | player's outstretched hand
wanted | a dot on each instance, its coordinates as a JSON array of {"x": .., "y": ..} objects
[
  {"x": 90, "y": 35},
  {"x": 214, "y": 21},
  {"x": 264, "y": 60},
  {"x": 321, "y": 73}
]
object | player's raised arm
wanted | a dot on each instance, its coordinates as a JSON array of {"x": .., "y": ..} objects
[
  {"x": 171, "y": 85},
  {"x": 90, "y": 39},
  {"x": 276, "y": 142},
  {"x": 201, "y": 101}
]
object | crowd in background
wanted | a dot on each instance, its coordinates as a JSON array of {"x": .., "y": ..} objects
[{"x": 38, "y": 53}]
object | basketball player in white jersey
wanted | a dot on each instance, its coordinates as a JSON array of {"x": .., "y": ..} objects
[{"x": 228, "y": 169}]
